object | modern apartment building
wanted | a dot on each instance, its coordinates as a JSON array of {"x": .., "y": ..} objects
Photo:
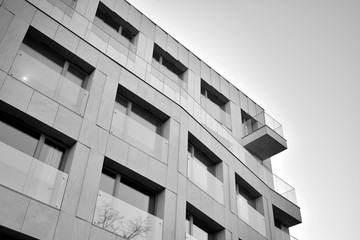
[{"x": 110, "y": 129}]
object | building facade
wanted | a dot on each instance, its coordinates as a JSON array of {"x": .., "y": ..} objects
[{"x": 111, "y": 129}]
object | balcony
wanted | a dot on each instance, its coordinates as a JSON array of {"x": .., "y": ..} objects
[
  {"x": 140, "y": 136},
  {"x": 249, "y": 215},
  {"x": 216, "y": 112},
  {"x": 31, "y": 177},
  {"x": 281, "y": 235},
  {"x": 263, "y": 136},
  {"x": 49, "y": 82},
  {"x": 125, "y": 220},
  {"x": 205, "y": 180}
]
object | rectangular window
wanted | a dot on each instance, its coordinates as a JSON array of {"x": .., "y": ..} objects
[
  {"x": 32, "y": 143},
  {"x": 169, "y": 62},
  {"x": 205, "y": 169},
  {"x": 52, "y": 70},
  {"x": 113, "y": 23},
  {"x": 126, "y": 203}
]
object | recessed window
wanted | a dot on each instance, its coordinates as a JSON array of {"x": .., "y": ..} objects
[
  {"x": 249, "y": 124},
  {"x": 115, "y": 22},
  {"x": 127, "y": 190},
  {"x": 170, "y": 63},
  {"x": 194, "y": 227},
  {"x": 32, "y": 143},
  {"x": 214, "y": 96}
]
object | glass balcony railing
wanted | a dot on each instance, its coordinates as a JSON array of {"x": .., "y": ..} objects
[
  {"x": 31, "y": 177},
  {"x": 189, "y": 237},
  {"x": 281, "y": 235},
  {"x": 205, "y": 180},
  {"x": 125, "y": 220},
  {"x": 216, "y": 112},
  {"x": 249, "y": 215},
  {"x": 140, "y": 136},
  {"x": 260, "y": 120},
  {"x": 49, "y": 82}
]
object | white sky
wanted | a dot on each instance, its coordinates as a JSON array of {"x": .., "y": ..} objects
[{"x": 300, "y": 60}]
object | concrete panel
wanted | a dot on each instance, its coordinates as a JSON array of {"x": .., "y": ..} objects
[
  {"x": 101, "y": 234},
  {"x": 122, "y": 9},
  {"x": 40, "y": 221},
  {"x": 234, "y": 95},
  {"x": 180, "y": 218},
  {"x": 252, "y": 108},
  {"x": 68, "y": 122},
  {"x": 67, "y": 39},
  {"x": 244, "y": 102},
  {"x": 21, "y": 9},
  {"x": 96, "y": 85},
  {"x": 90, "y": 188},
  {"x": 11, "y": 42},
  {"x": 117, "y": 149},
  {"x": 215, "y": 80},
  {"x": 172, "y": 47},
  {"x": 139, "y": 68},
  {"x": 232, "y": 192},
  {"x": 16, "y": 94},
  {"x": 149, "y": 50},
  {"x": 13, "y": 208},
  {"x": 6, "y": 18},
  {"x": 3, "y": 76},
  {"x": 170, "y": 215},
  {"x": 93, "y": 136},
  {"x": 183, "y": 143},
  {"x": 91, "y": 9},
  {"x": 107, "y": 104},
  {"x": 172, "y": 180},
  {"x": 206, "y": 204},
  {"x": 43, "y": 108},
  {"x": 45, "y": 24},
  {"x": 183, "y": 55},
  {"x": 78, "y": 155},
  {"x": 138, "y": 161},
  {"x": 109, "y": 3},
  {"x": 128, "y": 80},
  {"x": 160, "y": 37},
  {"x": 193, "y": 194},
  {"x": 147, "y": 27},
  {"x": 108, "y": 67},
  {"x": 146, "y": 92},
  {"x": 236, "y": 121},
  {"x": 175, "y": 112},
  {"x": 163, "y": 103},
  {"x": 71, "y": 228},
  {"x": 140, "y": 43},
  {"x": 205, "y": 72},
  {"x": 224, "y": 87},
  {"x": 134, "y": 17},
  {"x": 194, "y": 64},
  {"x": 157, "y": 171}
]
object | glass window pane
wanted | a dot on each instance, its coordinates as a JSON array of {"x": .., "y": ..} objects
[
  {"x": 51, "y": 154},
  {"x": 76, "y": 75},
  {"x": 199, "y": 234},
  {"x": 19, "y": 138},
  {"x": 145, "y": 118},
  {"x": 134, "y": 197},
  {"x": 121, "y": 104},
  {"x": 107, "y": 182}
]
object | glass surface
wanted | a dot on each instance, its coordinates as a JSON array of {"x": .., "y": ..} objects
[
  {"x": 249, "y": 215},
  {"x": 76, "y": 75},
  {"x": 189, "y": 237},
  {"x": 138, "y": 135},
  {"x": 37, "y": 72},
  {"x": 205, "y": 180},
  {"x": 51, "y": 154},
  {"x": 281, "y": 235},
  {"x": 24, "y": 141},
  {"x": 107, "y": 183},
  {"x": 31, "y": 177},
  {"x": 198, "y": 233},
  {"x": 125, "y": 220},
  {"x": 45, "y": 183},
  {"x": 71, "y": 95},
  {"x": 134, "y": 197},
  {"x": 145, "y": 118}
]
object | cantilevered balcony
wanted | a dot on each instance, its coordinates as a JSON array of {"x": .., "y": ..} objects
[
  {"x": 281, "y": 235},
  {"x": 262, "y": 135}
]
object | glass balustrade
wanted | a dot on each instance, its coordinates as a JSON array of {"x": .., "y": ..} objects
[
  {"x": 140, "y": 136},
  {"x": 47, "y": 79},
  {"x": 125, "y": 220},
  {"x": 31, "y": 177},
  {"x": 216, "y": 112},
  {"x": 205, "y": 180},
  {"x": 281, "y": 235},
  {"x": 249, "y": 215},
  {"x": 189, "y": 237},
  {"x": 260, "y": 120}
]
